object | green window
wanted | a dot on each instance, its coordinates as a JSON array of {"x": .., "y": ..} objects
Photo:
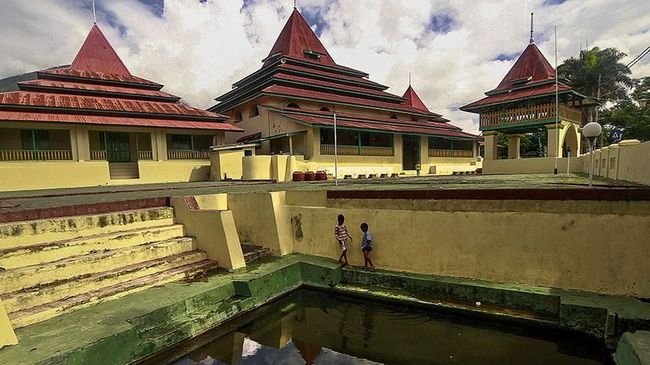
[
  {"x": 35, "y": 139},
  {"x": 182, "y": 142}
]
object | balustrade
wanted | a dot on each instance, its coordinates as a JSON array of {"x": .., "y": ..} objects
[
  {"x": 436, "y": 152},
  {"x": 328, "y": 149},
  {"x": 187, "y": 155},
  {"x": 35, "y": 155},
  {"x": 525, "y": 115}
]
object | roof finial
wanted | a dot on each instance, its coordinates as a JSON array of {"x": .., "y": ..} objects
[
  {"x": 295, "y": 4},
  {"x": 409, "y": 79},
  {"x": 94, "y": 14},
  {"x": 532, "y": 40}
]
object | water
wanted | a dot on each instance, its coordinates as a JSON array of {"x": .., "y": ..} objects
[{"x": 312, "y": 327}]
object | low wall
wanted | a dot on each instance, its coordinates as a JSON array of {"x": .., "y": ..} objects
[
  {"x": 7, "y": 335},
  {"x": 555, "y": 247},
  {"x": 226, "y": 164},
  {"x": 173, "y": 171},
  {"x": 28, "y": 175},
  {"x": 628, "y": 160},
  {"x": 537, "y": 165}
]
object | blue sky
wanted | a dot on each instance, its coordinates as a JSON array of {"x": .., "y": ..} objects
[{"x": 455, "y": 49}]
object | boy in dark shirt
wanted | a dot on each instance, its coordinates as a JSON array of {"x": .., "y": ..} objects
[{"x": 341, "y": 234}]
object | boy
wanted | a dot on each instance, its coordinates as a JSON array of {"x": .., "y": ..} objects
[
  {"x": 366, "y": 246},
  {"x": 341, "y": 234}
]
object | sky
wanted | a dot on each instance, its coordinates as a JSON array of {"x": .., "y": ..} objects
[{"x": 455, "y": 49}]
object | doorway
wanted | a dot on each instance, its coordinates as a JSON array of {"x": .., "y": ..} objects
[
  {"x": 410, "y": 152},
  {"x": 118, "y": 147}
]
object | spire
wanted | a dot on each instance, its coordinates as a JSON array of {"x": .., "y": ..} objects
[
  {"x": 298, "y": 40},
  {"x": 94, "y": 13},
  {"x": 532, "y": 40},
  {"x": 295, "y": 4},
  {"x": 97, "y": 55},
  {"x": 412, "y": 99},
  {"x": 531, "y": 66}
]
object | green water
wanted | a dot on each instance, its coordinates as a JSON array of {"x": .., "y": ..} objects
[{"x": 312, "y": 327}]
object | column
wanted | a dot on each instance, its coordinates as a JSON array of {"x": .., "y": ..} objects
[
  {"x": 490, "y": 145},
  {"x": 514, "y": 143},
  {"x": 552, "y": 140}
]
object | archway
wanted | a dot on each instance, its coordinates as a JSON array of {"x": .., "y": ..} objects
[{"x": 571, "y": 143}]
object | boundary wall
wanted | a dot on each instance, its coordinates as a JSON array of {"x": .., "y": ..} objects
[{"x": 561, "y": 244}]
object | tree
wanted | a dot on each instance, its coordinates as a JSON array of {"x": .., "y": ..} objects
[
  {"x": 583, "y": 73},
  {"x": 633, "y": 119}
]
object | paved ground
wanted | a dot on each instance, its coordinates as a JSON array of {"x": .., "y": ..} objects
[{"x": 15, "y": 201}]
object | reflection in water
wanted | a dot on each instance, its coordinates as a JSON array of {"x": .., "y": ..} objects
[{"x": 311, "y": 327}]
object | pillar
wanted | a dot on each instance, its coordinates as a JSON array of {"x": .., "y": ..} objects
[
  {"x": 490, "y": 145},
  {"x": 159, "y": 145},
  {"x": 514, "y": 143},
  {"x": 552, "y": 140}
]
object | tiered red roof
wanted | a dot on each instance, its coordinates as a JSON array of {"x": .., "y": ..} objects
[
  {"x": 97, "y": 88},
  {"x": 300, "y": 67},
  {"x": 531, "y": 76}
]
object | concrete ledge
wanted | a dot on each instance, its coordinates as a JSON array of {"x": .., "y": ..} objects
[
  {"x": 633, "y": 349},
  {"x": 565, "y": 193}
]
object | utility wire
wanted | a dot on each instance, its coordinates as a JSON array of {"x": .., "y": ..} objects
[{"x": 639, "y": 57}]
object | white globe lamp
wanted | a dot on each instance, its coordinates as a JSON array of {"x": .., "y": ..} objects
[{"x": 591, "y": 130}]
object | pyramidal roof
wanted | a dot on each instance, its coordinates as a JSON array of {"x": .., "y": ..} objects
[
  {"x": 97, "y": 55},
  {"x": 412, "y": 99},
  {"x": 298, "y": 40},
  {"x": 531, "y": 67}
]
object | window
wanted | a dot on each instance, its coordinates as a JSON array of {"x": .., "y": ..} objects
[
  {"x": 414, "y": 119},
  {"x": 237, "y": 117},
  {"x": 325, "y": 109},
  {"x": 393, "y": 116},
  {"x": 253, "y": 112},
  {"x": 376, "y": 139},
  {"x": 463, "y": 145},
  {"x": 180, "y": 142},
  {"x": 293, "y": 105},
  {"x": 35, "y": 139},
  {"x": 356, "y": 138},
  {"x": 440, "y": 143}
]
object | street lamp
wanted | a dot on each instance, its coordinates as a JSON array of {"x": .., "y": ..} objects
[{"x": 591, "y": 130}]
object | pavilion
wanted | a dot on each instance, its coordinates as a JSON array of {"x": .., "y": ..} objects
[
  {"x": 287, "y": 107},
  {"x": 523, "y": 102},
  {"x": 94, "y": 123}
]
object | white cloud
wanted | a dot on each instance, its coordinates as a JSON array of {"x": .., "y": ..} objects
[{"x": 198, "y": 49}]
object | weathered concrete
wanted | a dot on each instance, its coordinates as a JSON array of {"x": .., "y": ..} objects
[
  {"x": 633, "y": 349},
  {"x": 135, "y": 326},
  {"x": 214, "y": 230}
]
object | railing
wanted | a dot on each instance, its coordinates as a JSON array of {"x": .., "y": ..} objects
[
  {"x": 97, "y": 155},
  {"x": 187, "y": 155},
  {"x": 328, "y": 149},
  {"x": 32, "y": 155},
  {"x": 436, "y": 152},
  {"x": 533, "y": 113},
  {"x": 145, "y": 155}
]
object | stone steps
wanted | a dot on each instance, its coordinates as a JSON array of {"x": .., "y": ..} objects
[
  {"x": 52, "y": 251},
  {"x": 41, "y": 294},
  {"x": 38, "y": 232},
  {"x": 40, "y": 274},
  {"x": 254, "y": 252},
  {"x": 42, "y": 312}
]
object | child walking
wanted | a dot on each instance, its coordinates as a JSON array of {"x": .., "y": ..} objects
[
  {"x": 366, "y": 246},
  {"x": 341, "y": 234}
]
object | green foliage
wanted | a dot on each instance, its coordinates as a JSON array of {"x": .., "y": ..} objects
[
  {"x": 583, "y": 73},
  {"x": 631, "y": 118}
]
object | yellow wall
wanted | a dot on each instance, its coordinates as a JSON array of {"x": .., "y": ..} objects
[
  {"x": 626, "y": 160},
  {"x": 7, "y": 335},
  {"x": 26, "y": 175},
  {"x": 570, "y": 250},
  {"x": 226, "y": 163},
  {"x": 536, "y": 165},
  {"x": 214, "y": 231}
]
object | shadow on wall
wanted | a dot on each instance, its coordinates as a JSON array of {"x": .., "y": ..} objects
[{"x": 200, "y": 173}]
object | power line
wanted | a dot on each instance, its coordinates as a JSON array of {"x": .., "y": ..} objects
[{"x": 639, "y": 57}]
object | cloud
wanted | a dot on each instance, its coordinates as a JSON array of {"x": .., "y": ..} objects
[{"x": 456, "y": 50}]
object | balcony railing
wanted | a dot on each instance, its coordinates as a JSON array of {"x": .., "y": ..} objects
[
  {"x": 145, "y": 155},
  {"x": 532, "y": 114},
  {"x": 436, "y": 152},
  {"x": 328, "y": 149},
  {"x": 187, "y": 155},
  {"x": 35, "y": 155},
  {"x": 97, "y": 155}
]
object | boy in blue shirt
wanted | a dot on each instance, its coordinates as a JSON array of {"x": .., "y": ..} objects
[{"x": 366, "y": 246}]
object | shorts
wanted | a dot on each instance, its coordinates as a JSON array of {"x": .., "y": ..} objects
[
  {"x": 344, "y": 245},
  {"x": 367, "y": 248}
]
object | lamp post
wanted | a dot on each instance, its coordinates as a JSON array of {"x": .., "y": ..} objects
[{"x": 591, "y": 130}]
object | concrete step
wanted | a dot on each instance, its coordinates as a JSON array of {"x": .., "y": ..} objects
[
  {"x": 254, "y": 252},
  {"x": 36, "y": 232},
  {"x": 85, "y": 265},
  {"x": 52, "y": 251},
  {"x": 42, "y": 294},
  {"x": 43, "y": 312}
]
